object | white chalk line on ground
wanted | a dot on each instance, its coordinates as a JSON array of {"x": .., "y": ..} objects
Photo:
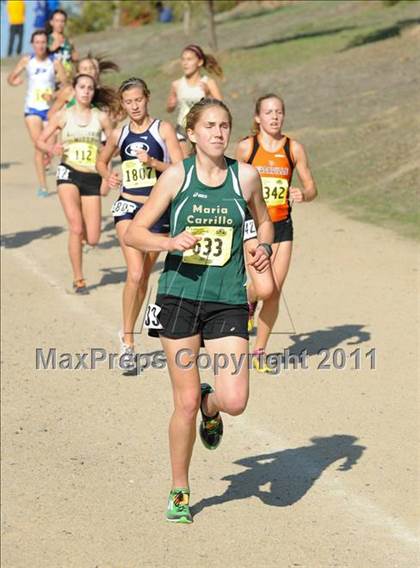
[{"x": 74, "y": 302}]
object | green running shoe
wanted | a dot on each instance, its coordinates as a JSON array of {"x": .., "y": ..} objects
[
  {"x": 211, "y": 428},
  {"x": 178, "y": 510}
]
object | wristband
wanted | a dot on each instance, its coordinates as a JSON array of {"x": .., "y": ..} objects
[{"x": 267, "y": 249}]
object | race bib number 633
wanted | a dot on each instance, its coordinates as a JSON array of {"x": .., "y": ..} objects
[{"x": 214, "y": 247}]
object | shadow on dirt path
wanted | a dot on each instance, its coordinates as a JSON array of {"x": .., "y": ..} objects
[
  {"x": 23, "y": 238},
  {"x": 291, "y": 473}
]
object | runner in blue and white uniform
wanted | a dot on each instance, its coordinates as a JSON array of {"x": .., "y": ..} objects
[
  {"x": 147, "y": 146},
  {"x": 41, "y": 69}
]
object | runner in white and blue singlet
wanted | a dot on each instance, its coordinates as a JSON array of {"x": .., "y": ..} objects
[{"x": 41, "y": 69}]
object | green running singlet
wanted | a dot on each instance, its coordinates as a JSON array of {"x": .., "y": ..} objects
[{"x": 214, "y": 271}]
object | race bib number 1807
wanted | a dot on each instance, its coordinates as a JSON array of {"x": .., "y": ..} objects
[{"x": 136, "y": 174}]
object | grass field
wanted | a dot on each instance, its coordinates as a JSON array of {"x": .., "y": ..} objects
[{"x": 349, "y": 72}]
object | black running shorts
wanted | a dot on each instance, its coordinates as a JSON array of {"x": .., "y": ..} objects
[
  {"x": 181, "y": 317},
  {"x": 86, "y": 183},
  {"x": 283, "y": 230}
]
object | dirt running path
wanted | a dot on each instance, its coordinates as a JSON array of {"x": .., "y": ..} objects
[{"x": 321, "y": 469}]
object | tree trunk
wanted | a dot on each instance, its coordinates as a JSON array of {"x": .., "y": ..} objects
[
  {"x": 212, "y": 25},
  {"x": 187, "y": 17},
  {"x": 117, "y": 15}
]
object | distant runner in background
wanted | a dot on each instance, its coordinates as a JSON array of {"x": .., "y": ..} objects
[
  {"x": 95, "y": 66},
  {"x": 58, "y": 44},
  {"x": 192, "y": 87},
  {"x": 16, "y": 14},
  {"x": 41, "y": 70}
]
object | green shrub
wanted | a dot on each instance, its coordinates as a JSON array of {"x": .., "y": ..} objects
[{"x": 95, "y": 17}]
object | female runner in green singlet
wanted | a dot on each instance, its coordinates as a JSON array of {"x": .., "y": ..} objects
[{"x": 201, "y": 292}]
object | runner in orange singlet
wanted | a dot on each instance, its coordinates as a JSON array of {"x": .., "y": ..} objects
[{"x": 275, "y": 156}]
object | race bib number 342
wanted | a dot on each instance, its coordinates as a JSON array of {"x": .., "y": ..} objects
[
  {"x": 274, "y": 191},
  {"x": 214, "y": 247},
  {"x": 136, "y": 174}
]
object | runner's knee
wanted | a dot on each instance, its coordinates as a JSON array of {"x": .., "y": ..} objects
[
  {"x": 233, "y": 404},
  {"x": 137, "y": 277},
  {"x": 264, "y": 290},
  {"x": 93, "y": 239},
  {"x": 188, "y": 405},
  {"x": 76, "y": 228}
]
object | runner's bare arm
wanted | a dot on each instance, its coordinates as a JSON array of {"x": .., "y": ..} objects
[
  {"x": 243, "y": 150},
  {"x": 106, "y": 124},
  {"x": 168, "y": 134},
  {"x": 104, "y": 157},
  {"x": 213, "y": 89},
  {"x": 172, "y": 98},
  {"x": 309, "y": 191},
  {"x": 251, "y": 187},
  {"x": 63, "y": 96},
  {"x": 61, "y": 73},
  {"x": 56, "y": 123},
  {"x": 74, "y": 54},
  {"x": 138, "y": 234},
  {"x": 14, "y": 78}
]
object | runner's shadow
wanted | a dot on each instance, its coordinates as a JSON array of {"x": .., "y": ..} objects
[
  {"x": 110, "y": 243},
  {"x": 115, "y": 275},
  {"x": 6, "y": 165},
  {"x": 289, "y": 474},
  {"x": 313, "y": 341},
  {"x": 23, "y": 238},
  {"x": 109, "y": 226}
]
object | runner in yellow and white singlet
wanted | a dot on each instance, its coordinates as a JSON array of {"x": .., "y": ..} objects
[
  {"x": 191, "y": 87},
  {"x": 78, "y": 181}
]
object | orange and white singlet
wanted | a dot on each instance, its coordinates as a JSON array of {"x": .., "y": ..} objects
[{"x": 276, "y": 171}]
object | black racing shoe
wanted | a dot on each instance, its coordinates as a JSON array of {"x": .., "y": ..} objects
[{"x": 211, "y": 428}]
